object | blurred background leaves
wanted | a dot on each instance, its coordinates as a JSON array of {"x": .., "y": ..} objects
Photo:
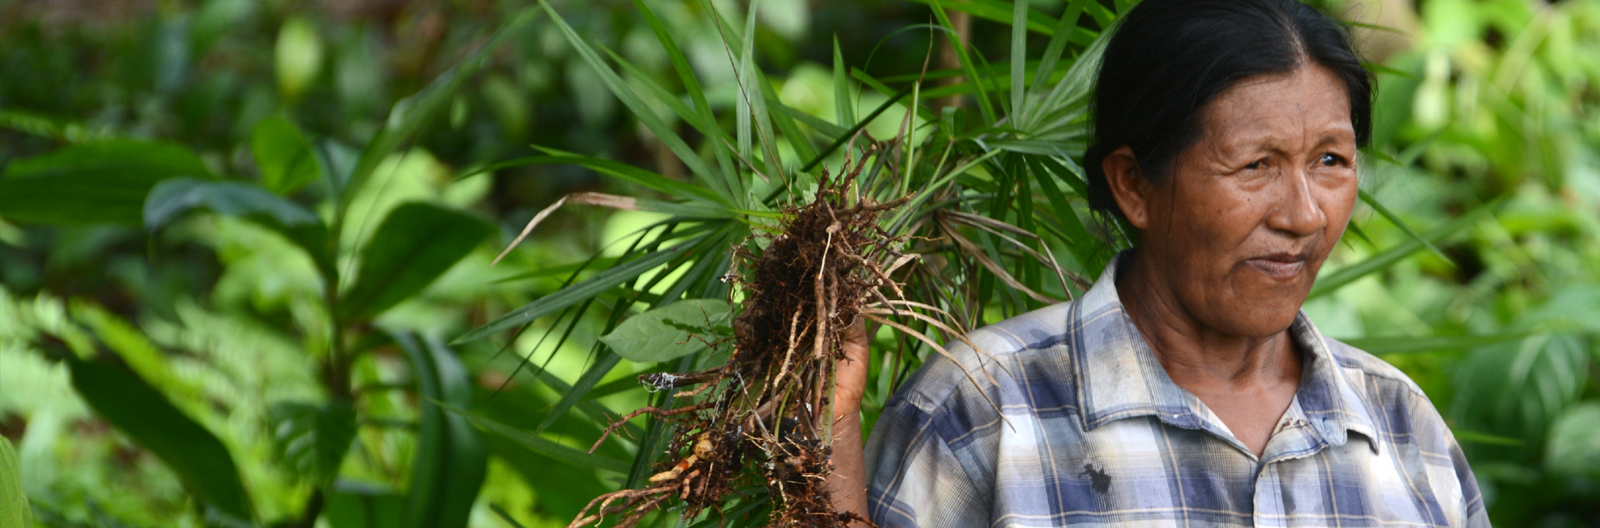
[{"x": 240, "y": 233}]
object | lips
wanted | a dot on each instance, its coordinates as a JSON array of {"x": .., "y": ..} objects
[{"x": 1281, "y": 266}]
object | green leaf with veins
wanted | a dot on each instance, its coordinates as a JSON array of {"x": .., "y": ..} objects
[
  {"x": 283, "y": 155},
  {"x": 313, "y": 439},
  {"x": 671, "y": 331},
  {"x": 414, "y": 245}
]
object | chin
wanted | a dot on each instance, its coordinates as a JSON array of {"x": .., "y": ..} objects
[{"x": 1266, "y": 309}]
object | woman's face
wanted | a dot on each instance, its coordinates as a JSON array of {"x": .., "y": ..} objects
[{"x": 1240, "y": 227}]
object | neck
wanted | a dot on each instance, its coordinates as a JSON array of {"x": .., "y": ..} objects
[{"x": 1194, "y": 354}]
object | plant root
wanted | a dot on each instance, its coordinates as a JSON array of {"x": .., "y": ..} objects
[{"x": 763, "y": 419}]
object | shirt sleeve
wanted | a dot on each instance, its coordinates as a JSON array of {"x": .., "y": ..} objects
[{"x": 915, "y": 479}]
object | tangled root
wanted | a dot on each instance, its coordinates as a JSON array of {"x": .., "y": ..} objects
[{"x": 764, "y": 417}]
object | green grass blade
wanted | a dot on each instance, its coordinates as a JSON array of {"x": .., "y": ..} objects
[
  {"x": 922, "y": 112},
  {"x": 1019, "y": 59},
  {"x": 691, "y": 84},
  {"x": 962, "y": 54},
  {"x": 538, "y": 444},
  {"x": 1415, "y": 344},
  {"x": 1474, "y": 437},
  {"x": 617, "y": 169},
  {"x": 504, "y": 515},
  {"x": 1395, "y": 219},
  {"x": 1058, "y": 45},
  {"x": 409, "y": 115},
  {"x": 997, "y": 11},
  {"x": 1343, "y": 276},
  {"x": 797, "y": 139},
  {"x": 574, "y": 294},
  {"x": 844, "y": 105},
  {"x": 816, "y": 123},
  {"x": 642, "y": 111},
  {"x": 845, "y": 137}
]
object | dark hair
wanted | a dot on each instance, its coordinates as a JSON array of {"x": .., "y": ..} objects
[{"x": 1168, "y": 58}]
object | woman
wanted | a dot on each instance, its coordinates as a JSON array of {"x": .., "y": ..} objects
[{"x": 1185, "y": 388}]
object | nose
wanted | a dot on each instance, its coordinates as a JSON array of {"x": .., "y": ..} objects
[{"x": 1297, "y": 210}]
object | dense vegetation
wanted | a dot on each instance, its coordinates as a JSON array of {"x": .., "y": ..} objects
[{"x": 248, "y": 248}]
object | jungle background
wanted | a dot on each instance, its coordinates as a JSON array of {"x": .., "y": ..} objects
[{"x": 241, "y": 241}]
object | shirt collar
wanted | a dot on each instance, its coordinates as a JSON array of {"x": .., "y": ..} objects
[{"x": 1119, "y": 377}]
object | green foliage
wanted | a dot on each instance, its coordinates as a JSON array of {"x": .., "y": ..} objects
[
  {"x": 415, "y": 244},
  {"x": 174, "y": 197},
  {"x": 224, "y": 229},
  {"x": 669, "y": 332},
  {"x": 284, "y": 155},
  {"x": 92, "y": 183},
  {"x": 201, "y": 461},
  {"x": 451, "y": 460},
  {"x": 312, "y": 439},
  {"x": 14, "y": 510}
]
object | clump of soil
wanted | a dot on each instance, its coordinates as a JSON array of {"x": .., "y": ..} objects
[{"x": 764, "y": 418}]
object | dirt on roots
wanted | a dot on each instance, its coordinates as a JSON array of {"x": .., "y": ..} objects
[{"x": 764, "y": 417}]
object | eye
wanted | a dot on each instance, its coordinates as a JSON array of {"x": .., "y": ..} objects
[
  {"x": 1256, "y": 164},
  {"x": 1330, "y": 159}
]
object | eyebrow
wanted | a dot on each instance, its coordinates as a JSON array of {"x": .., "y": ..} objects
[{"x": 1337, "y": 136}]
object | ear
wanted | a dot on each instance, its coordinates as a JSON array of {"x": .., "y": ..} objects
[{"x": 1128, "y": 186}]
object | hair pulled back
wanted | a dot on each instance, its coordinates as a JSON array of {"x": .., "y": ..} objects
[{"x": 1168, "y": 58}]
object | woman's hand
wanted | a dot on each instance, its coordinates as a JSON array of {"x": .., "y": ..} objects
[
  {"x": 850, "y": 374},
  {"x": 847, "y": 485}
]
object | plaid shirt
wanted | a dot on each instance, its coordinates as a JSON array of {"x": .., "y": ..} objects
[{"x": 1094, "y": 433}]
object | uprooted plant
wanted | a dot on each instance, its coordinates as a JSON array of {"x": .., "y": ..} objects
[
  {"x": 764, "y": 417},
  {"x": 927, "y": 234}
]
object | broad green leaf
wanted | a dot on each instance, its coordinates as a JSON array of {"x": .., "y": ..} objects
[
  {"x": 575, "y": 293},
  {"x": 173, "y": 198},
  {"x": 14, "y": 509},
  {"x": 361, "y": 505},
  {"x": 297, "y": 57},
  {"x": 201, "y": 462},
  {"x": 408, "y": 116},
  {"x": 92, "y": 183},
  {"x": 1518, "y": 389},
  {"x": 415, "y": 244},
  {"x": 450, "y": 460},
  {"x": 669, "y": 332},
  {"x": 540, "y": 445},
  {"x": 1342, "y": 276},
  {"x": 312, "y": 439},
  {"x": 284, "y": 155},
  {"x": 1574, "y": 446}
]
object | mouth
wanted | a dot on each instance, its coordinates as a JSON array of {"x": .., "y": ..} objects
[{"x": 1280, "y": 266}]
